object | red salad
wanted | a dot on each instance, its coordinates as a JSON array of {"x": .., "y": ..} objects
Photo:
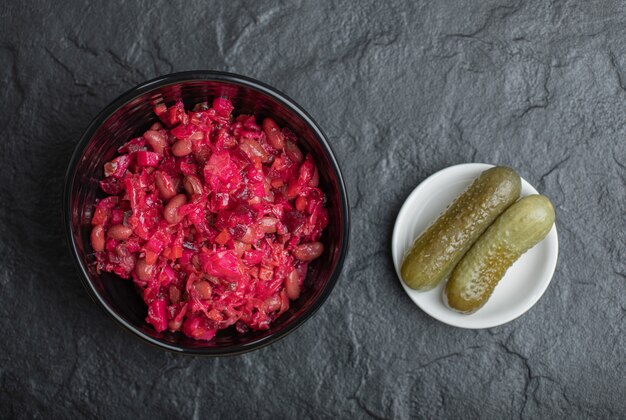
[{"x": 215, "y": 218}]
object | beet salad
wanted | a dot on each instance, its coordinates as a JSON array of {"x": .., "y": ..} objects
[{"x": 214, "y": 217}]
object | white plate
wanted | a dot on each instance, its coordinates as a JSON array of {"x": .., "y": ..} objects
[{"x": 522, "y": 285}]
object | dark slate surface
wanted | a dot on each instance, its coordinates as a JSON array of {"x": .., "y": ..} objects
[{"x": 402, "y": 89}]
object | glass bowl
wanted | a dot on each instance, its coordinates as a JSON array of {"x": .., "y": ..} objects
[{"x": 130, "y": 115}]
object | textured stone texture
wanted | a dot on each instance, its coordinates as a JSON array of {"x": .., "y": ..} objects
[{"x": 403, "y": 89}]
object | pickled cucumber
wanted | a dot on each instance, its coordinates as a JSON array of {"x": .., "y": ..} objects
[
  {"x": 435, "y": 253},
  {"x": 517, "y": 230}
]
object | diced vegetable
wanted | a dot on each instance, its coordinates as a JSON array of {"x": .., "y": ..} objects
[{"x": 214, "y": 217}]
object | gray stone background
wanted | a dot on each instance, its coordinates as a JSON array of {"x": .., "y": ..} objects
[{"x": 402, "y": 89}]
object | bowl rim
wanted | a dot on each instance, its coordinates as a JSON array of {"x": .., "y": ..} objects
[{"x": 219, "y": 76}]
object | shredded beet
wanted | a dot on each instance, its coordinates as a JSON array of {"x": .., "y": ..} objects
[{"x": 214, "y": 218}]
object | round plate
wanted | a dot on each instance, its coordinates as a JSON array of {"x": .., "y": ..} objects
[{"x": 522, "y": 285}]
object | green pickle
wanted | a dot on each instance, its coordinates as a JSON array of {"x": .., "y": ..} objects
[
  {"x": 438, "y": 250},
  {"x": 517, "y": 230}
]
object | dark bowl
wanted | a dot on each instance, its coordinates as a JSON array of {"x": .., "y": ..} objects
[{"x": 130, "y": 115}]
